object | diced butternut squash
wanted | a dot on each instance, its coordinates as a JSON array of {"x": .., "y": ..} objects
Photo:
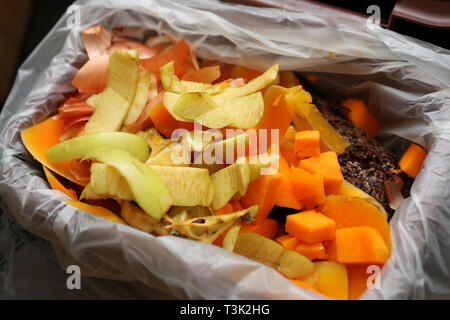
[
  {"x": 311, "y": 251},
  {"x": 308, "y": 117},
  {"x": 285, "y": 195},
  {"x": 326, "y": 164},
  {"x": 287, "y": 241},
  {"x": 268, "y": 228},
  {"x": 360, "y": 245},
  {"x": 412, "y": 159},
  {"x": 350, "y": 212},
  {"x": 333, "y": 279},
  {"x": 96, "y": 210},
  {"x": 308, "y": 188},
  {"x": 310, "y": 226},
  {"x": 307, "y": 143},
  {"x": 361, "y": 117},
  {"x": 262, "y": 192}
]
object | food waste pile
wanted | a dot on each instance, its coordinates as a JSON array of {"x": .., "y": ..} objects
[{"x": 247, "y": 160}]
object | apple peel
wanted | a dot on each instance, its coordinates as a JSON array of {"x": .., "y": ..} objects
[
  {"x": 187, "y": 186},
  {"x": 147, "y": 188},
  {"x": 79, "y": 147},
  {"x": 173, "y": 84},
  {"x": 115, "y": 101}
]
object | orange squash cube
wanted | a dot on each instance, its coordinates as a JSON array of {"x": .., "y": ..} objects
[
  {"x": 361, "y": 117},
  {"x": 412, "y": 159},
  {"x": 360, "y": 245},
  {"x": 285, "y": 195},
  {"x": 307, "y": 143},
  {"x": 326, "y": 164},
  {"x": 262, "y": 192},
  {"x": 350, "y": 212},
  {"x": 310, "y": 226},
  {"x": 308, "y": 188}
]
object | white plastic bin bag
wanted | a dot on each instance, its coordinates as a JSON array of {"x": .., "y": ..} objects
[{"x": 405, "y": 81}]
